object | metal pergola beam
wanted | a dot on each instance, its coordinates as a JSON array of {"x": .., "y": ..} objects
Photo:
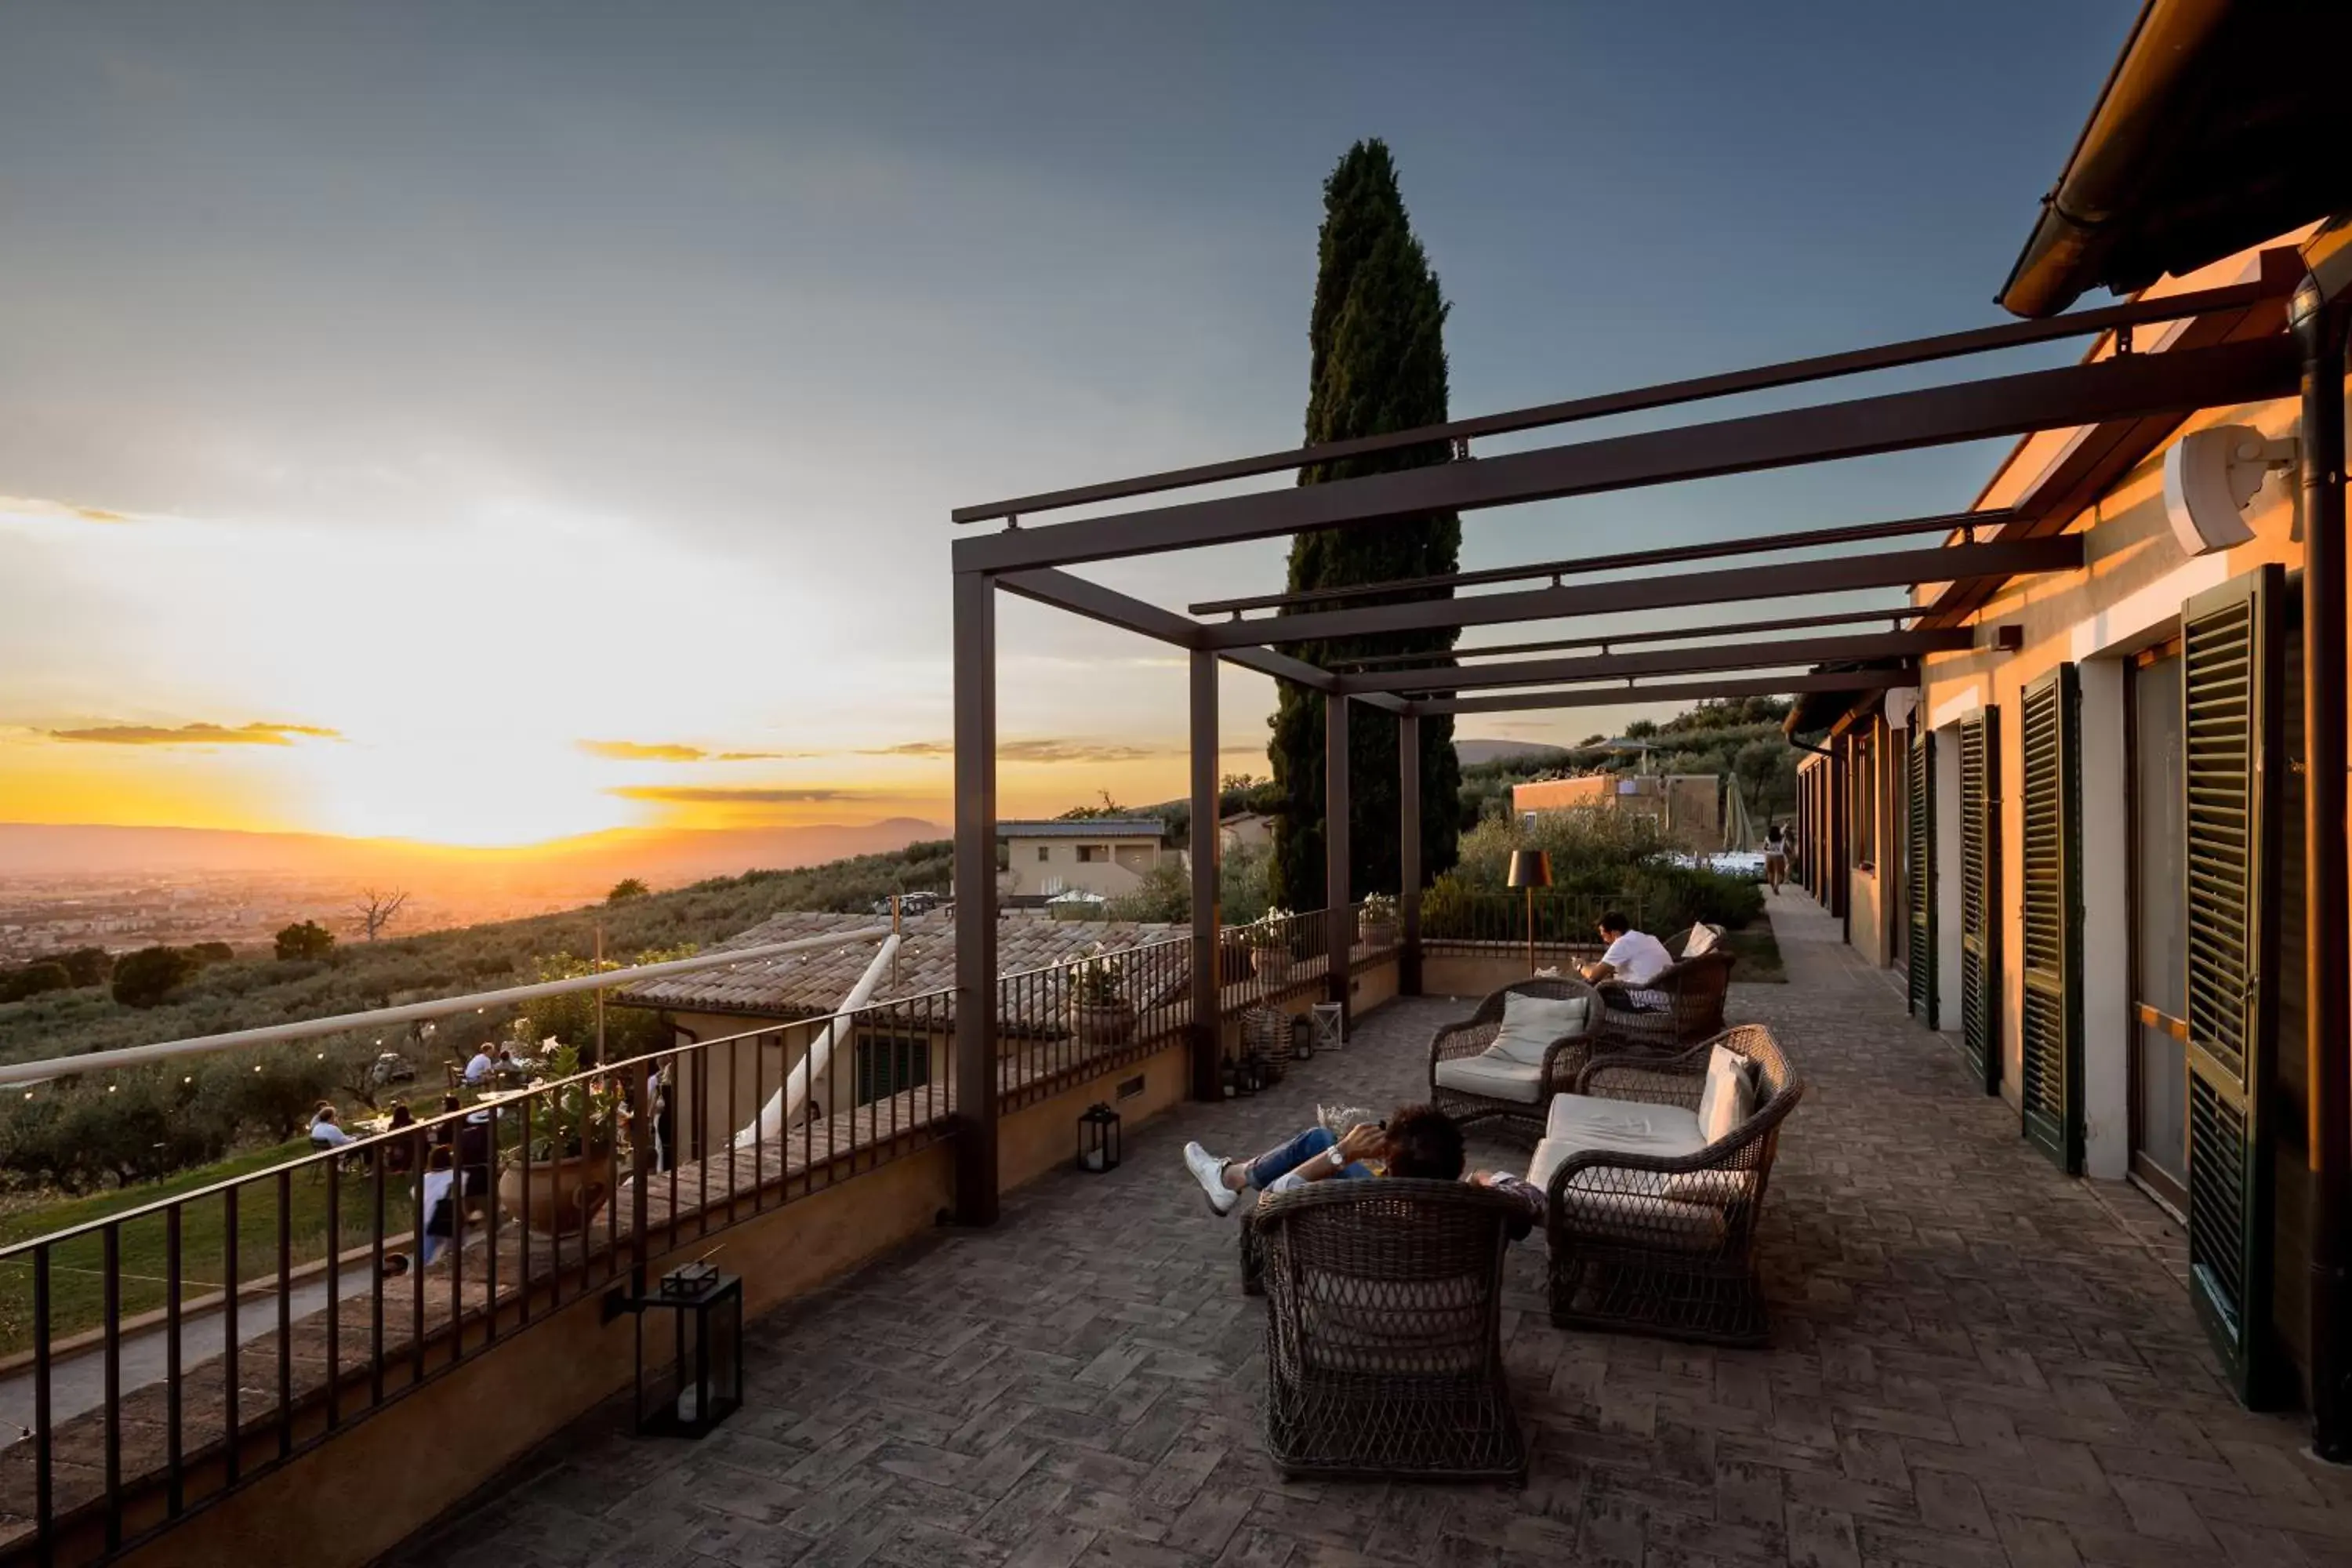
[
  {"x": 1672, "y": 661},
  {"x": 1859, "y": 680},
  {"x": 2122, "y": 388},
  {"x": 1666, "y": 556},
  {"x": 1891, "y": 569},
  {"x": 1791, "y": 372},
  {"x": 1894, "y": 614}
]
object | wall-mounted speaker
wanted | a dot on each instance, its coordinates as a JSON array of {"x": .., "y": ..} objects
[{"x": 2209, "y": 477}]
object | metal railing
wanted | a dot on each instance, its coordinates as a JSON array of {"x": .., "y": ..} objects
[
  {"x": 402, "y": 1253},
  {"x": 1564, "y": 923},
  {"x": 1089, "y": 1014},
  {"x": 346, "y": 1278}
]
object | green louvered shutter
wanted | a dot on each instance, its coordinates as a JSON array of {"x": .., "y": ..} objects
[
  {"x": 2229, "y": 681},
  {"x": 1919, "y": 872},
  {"x": 1980, "y": 919},
  {"x": 2049, "y": 1024}
]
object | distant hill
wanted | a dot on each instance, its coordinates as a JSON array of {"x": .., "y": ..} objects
[
  {"x": 1472, "y": 752},
  {"x": 591, "y": 861}
]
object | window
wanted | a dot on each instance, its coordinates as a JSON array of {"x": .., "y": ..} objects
[
  {"x": 1044, "y": 853},
  {"x": 889, "y": 1065},
  {"x": 1864, "y": 800},
  {"x": 1093, "y": 853}
]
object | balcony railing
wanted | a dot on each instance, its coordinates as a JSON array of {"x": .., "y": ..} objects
[
  {"x": 1565, "y": 923},
  {"x": 342, "y": 1290}
]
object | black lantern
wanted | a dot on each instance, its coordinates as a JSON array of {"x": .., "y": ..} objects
[
  {"x": 690, "y": 1351},
  {"x": 1098, "y": 1139},
  {"x": 1302, "y": 1038},
  {"x": 1252, "y": 1073}
]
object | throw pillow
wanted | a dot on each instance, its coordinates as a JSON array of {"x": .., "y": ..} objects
[
  {"x": 1530, "y": 1024},
  {"x": 1729, "y": 1096}
]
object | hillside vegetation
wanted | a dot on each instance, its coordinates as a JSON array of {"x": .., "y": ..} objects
[{"x": 78, "y": 1133}]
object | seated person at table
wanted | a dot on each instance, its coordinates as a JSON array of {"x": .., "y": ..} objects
[
  {"x": 400, "y": 1155},
  {"x": 1417, "y": 1141},
  {"x": 444, "y": 1131},
  {"x": 326, "y": 1132},
  {"x": 1624, "y": 972},
  {"x": 484, "y": 1064}
]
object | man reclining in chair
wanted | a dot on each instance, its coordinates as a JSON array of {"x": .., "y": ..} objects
[
  {"x": 1417, "y": 1141},
  {"x": 1624, "y": 972}
]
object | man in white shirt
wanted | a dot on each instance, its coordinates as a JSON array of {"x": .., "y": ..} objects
[
  {"x": 326, "y": 1132},
  {"x": 478, "y": 1070},
  {"x": 1634, "y": 958}
]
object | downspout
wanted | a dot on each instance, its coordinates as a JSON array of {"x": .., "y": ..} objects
[
  {"x": 784, "y": 1106},
  {"x": 2319, "y": 316}
]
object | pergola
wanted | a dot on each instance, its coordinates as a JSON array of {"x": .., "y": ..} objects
[{"x": 2220, "y": 346}]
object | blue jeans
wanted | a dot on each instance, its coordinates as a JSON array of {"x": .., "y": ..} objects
[{"x": 1272, "y": 1166}]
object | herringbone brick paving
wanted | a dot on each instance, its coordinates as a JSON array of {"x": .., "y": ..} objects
[{"x": 1974, "y": 1362}]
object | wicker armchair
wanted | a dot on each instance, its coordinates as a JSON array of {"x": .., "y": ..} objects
[
  {"x": 1522, "y": 1118},
  {"x": 1694, "y": 989},
  {"x": 1384, "y": 1353},
  {"x": 1665, "y": 1245}
]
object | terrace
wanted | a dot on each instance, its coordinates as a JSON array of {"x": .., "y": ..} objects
[{"x": 1975, "y": 1361}]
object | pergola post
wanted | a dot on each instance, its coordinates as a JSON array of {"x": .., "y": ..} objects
[
  {"x": 1340, "y": 921},
  {"x": 975, "y": 896},
  {"x": 1208, "y": 1019},
  {"x": 1408, "y": 854}
]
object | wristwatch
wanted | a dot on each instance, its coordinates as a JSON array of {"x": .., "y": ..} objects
[{"x": 1338, "y": 1161}]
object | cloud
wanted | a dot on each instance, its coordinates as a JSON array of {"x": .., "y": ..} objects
[
  {"x": 692, "y": 794},
  {"x": 1037, "y": 751},
  {"x": 671, "y": 751},
  {"x": 197, "y": 734},
  {"x": 28, "y": 507},
  {"x": 642, "y": 752}
]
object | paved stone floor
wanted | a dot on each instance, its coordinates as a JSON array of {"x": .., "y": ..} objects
[{"x": 1974, "y": 1362}]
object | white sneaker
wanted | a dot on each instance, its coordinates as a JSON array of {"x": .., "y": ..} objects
[{"x": 1209, "y": 1171}]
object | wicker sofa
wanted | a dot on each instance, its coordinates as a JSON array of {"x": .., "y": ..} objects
[
  {"x": 1473, "y": 1084},
  {"x": 1650, "y": 1227},
  {"x": 1693, "y": 990},
  {"x": 1385, "y": 1351}
]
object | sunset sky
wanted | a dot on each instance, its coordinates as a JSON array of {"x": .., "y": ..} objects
[{"x": 484, "y": 423}]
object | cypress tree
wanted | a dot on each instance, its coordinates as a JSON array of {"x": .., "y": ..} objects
[{"x": 1378, "y": 364}]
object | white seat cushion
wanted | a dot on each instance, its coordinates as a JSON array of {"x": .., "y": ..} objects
[
  {"x": 1530, "y": 1025},
  {"x": 1577, "y": 1122},
  {"x": 1496, "y": 1077}
]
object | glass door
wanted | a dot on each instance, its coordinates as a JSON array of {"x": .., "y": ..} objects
[{"x": 2159, "y": 1064}]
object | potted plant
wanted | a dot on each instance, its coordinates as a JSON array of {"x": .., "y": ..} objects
[
  {"x": 1268, "y": 941},
  {"x": 1101, "y": 1014},
  {"x": 1380, "y": 929},
  {"x": 575, "y": 1127}
]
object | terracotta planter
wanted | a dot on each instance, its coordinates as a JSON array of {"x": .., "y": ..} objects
[
  {"x": 1270, "y": 963},
  {"x": 565, "y": 1194},
  {"x": 1383, "y": 935},
  {"x": 1108, "y": 1023}
]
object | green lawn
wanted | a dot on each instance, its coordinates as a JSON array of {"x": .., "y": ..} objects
[
  {"x": 76, "y": 1286},
  {"x": 1759, "y": 955}
]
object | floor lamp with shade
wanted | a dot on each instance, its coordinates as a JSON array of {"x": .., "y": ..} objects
[{"x": 1530, "y": 868}]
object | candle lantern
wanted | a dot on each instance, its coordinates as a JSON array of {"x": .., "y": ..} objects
[
  {"x": 690, "y": 1351},
  {"x": 1098, "y": 1139}
]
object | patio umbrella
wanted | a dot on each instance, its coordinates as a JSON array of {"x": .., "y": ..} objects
[{"x": 1738, "y": 832}]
